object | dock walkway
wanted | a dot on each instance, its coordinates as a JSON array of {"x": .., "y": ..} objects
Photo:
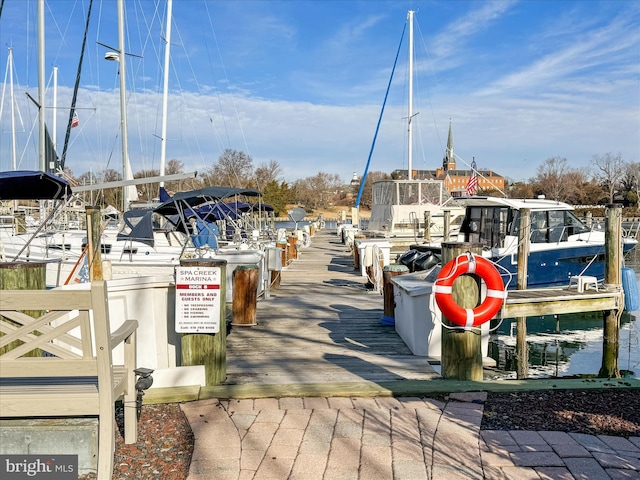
[{"x": 322, "y": 325}]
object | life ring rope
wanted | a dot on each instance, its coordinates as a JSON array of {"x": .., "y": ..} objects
[{"x": 495, "y": 295}]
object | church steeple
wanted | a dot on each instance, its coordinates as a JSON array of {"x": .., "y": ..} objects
[{"x": 449, "y": 161}]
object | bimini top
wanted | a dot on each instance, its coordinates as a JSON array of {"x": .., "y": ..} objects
[
  {"x": 193, "y": 198},
  {"x": 33, "y": 185}
]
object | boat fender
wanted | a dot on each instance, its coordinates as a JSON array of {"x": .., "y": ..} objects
[
  {"x": 630, "y": 289},
  {"x": 306, "y": 240},
  {"x": 466, "y": 264}
]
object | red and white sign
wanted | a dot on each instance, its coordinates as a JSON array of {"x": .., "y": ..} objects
[{"x": 198, "y": 299}]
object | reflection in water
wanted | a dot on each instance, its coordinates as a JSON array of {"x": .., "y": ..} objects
[
  {"x": 565, "y": 345},
  {"x": 568, "y": 345}
]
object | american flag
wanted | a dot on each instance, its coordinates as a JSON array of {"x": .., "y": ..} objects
[
  {"x": 75, "y": 121},
  {"x": 472, "y": 183}
]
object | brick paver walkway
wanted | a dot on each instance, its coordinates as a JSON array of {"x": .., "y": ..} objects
[{"x": 389, "y": 438}]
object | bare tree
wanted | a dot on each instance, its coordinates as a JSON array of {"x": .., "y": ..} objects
[
  {"x": 318, "y": 191},
  {"x": 630, "y": 183},
  {"x": 366, "y": 200},
  {"x": 519, "y": 190},
  {"x": 111, "y": 196},
  {"x": 146, "y": 191},
  {"x": 233, "y": 169},
  {"x": 550, "y": 180},
  {"x": 174, "y": 167},
  {"x": 610, "y": 170},
  {"x": 267, "y": 173}
]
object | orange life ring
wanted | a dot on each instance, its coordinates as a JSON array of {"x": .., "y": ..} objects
[{"x": 464, "y": 264}]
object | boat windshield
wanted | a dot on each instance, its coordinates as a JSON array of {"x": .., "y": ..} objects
[{"x": 487, "y": 225}]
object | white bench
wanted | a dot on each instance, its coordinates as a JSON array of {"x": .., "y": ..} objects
[{"x": 75, "y": 377}]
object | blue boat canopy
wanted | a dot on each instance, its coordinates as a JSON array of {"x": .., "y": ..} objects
[
  {"x": 181, "y": 201},
  {"x": 33, "y": 185}
]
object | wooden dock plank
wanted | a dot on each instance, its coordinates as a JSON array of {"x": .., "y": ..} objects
[
  {"x": 547, "y": 301},
  {"x": 322, "y": 325}
]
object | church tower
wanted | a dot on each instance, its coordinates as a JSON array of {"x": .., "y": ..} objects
[{"x": 449, "y": 161}]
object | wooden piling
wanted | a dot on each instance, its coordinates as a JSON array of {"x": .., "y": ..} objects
[
  {"x": 292, "y": 250},
  {"x": 284, "y": 253},
  {"x": 208, "y": 349},
  {"x": 427, "y": 226},
  {"x": 245, "y": 295},
  {"x": 276, "y": 278},
  {"x": 447, "y": 224},
  {"x": 613, "y": 278},
  {"x": 20, "y": 222},
  {"x": 461, "y": 349},
  {"x": 522, "y": 349},
  {"x": 94, "y": 250},
  {"x": 388, "y": 272},
  {"x": 23, "y": 276}
]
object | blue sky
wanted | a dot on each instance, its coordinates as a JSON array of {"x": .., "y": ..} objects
[{"x": 302, "y": 82}]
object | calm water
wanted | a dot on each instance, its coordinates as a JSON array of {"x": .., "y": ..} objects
[{"x": 569, "y": 345}]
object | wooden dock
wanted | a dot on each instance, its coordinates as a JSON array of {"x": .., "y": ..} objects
[
  {"x": 322, "y": 325},
  {"x": 548, "y": 301},
  {"x": 319, "y": 334}
]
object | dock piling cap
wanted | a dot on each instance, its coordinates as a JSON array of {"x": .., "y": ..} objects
[
  {"x": 247, "y": 267},
  {"x": 395, "y": 267}
]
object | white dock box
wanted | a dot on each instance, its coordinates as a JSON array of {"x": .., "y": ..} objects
[{"x": 418, "y": 318}]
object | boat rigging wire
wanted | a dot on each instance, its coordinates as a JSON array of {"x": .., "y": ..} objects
[
  {"x": 74, "y": 98},
  {"x": 375, "y": 136}
]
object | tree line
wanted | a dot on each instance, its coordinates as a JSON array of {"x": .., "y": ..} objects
[{"x": 608, "y": 179}]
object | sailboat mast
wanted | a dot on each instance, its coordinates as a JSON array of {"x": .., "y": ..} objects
[
  {"x": 54, "y": 121},
  {"x": 128, "y": 195},
  {"x": 165, "y": 93},
  {"x": 41, "y": 99},
  {"x": 14, "y": 146},
  {"x": 410, "y": 110}
]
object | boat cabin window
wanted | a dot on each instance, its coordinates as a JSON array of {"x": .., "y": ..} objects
[
  {"x": 487, "y": 225},
  {"x": 554, "y": 226}
]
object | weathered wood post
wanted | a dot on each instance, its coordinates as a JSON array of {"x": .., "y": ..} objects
[
  {"x": 293, "y": 251},
  {"x": 20, "y": 222},
  {"x": 612, "y": 279},
  {"x": 388, "y": 272},
  {"x": 461, "y": 349},
  {"x": 23, "y": 276},
  {"x": 447, "y": 225},
  {"x": 94, "y": 250},
  {"x": 208, "y": 349},
  {"x": 522, "y": 349},
  {"x": 284, "y": 254},
  {"x": 276, "y": 278},
  {"x": 427, "y": 226},
  {"x": 245, "y": 295}
]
